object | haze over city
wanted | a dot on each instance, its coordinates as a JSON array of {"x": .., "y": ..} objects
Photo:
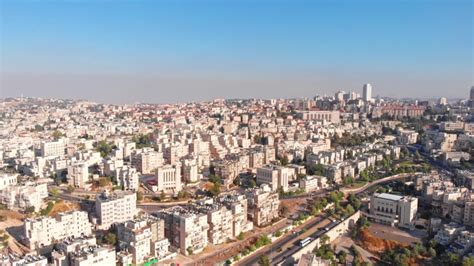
[
  {"x": 236, "y": 133},
  {"x": 165, "y": 51}
]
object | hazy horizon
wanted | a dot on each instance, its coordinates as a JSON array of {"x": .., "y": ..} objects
[{"x": 166, "y": 52}]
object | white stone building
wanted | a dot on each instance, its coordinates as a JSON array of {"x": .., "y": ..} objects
[
  {"x": 115, "y": 207},
  {"x": 45, "y": 230},
  {"x": 393, "y": 209}
]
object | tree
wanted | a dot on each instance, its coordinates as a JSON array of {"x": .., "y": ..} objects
[
  {"x": 264, "y": 261},
  {"x": 139, "y": 196},
  {"x": 57, "y": 134},
  {"x": 48, "y": 209},
  {"x": 349, "y": 209},
  {"x": 54, "y": 192},
  {"x": 240, "y": 236},
  {"x": 451, "y": 258},
  {"x": 316, "y": 169},
  {"x": 104, "y": 148},
  {"x": 70, "y": 189},
  {"x": 215, "y": 190},
  {"x": 30, "y": 209},
  {"x": 111, "y": 238},
  {"x": 284, "y": 160},
  {"x": 341, "y": 257},
  {"x": 324, "y": 240},
  {"x": 278, "y": 233},
  {"x": 103, "y": 181},
  {"x": 432, "y": 252},
  {"x": 190, "y": 250},
  {"x": 162, "y": 196},
  {"x": 257, "y": 139},
  {"x": 252, "y": 183},
  {"x": 468, "y": 261}
]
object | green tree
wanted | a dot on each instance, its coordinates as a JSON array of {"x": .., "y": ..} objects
[
  {"x": 190, "y": 250},
  {"x": 70, "y": 189},
  {"x": 324, "y": 239},
  {"x": 451, "y": 258},
  {"x": 111, "y": 238},
  {"x": 252, "y": 183},
  {"x": 162, "y": 196},
  {"x": 316, "y": 169},
  {"x": 278, "y": 233},
  {"x": 215, "y": 190},
  {"x": 54, "y": 192},
  {"x": 341, "y": 257},
  {"x": 468, "y": 261},
  {"x": 139, "y": 196},
  {"x": 30, "y": 210},
  {"x": 57, "y": 134},
  {"x": 349, "y": 209},
  {"x": 103, "y": 181},
  {"x": 104, "y": 148},
  {"x": 240, "y": 236},
  {"x": 432, "y": 252},
  {"x": 264, "y": 261},
  {"x": 48, "y": 209}
]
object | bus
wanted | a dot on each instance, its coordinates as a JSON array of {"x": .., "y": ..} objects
[{"x": 305, "y": 241}]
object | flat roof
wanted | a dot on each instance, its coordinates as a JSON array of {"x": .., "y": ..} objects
[{"x": 389, "y": 196}]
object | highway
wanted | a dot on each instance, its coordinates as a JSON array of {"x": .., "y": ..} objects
[
  {"x": 280, "y": 243},
  {"x": 272, "y": 250}
]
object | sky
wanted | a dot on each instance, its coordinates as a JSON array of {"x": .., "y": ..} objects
[{"x": 167, "y": 51}]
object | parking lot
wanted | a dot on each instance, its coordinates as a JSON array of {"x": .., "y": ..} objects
[{"x": 396, "y": 234}]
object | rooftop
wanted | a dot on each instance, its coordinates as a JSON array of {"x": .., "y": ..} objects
[{"x": 389, "y": 196}]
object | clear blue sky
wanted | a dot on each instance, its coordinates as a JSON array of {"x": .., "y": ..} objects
[{"x": 167, "y": 51}]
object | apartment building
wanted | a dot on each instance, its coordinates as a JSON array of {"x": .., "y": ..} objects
[
  {"x": 220, "y": 220},
  {"x": 7, "y": 180},
  {"x": 147, "y": 162},
  {"x": 144, "y": 238},
  {"x": 468, "y": 217},
  {"x": 93, "y": 256},
  {"x": 52, "y": 148},
  {"x": 237, "y": 203},
  {"x": 448, "y": 233},
  {"x": 333, "y": 117},
  {"x": 312, "y": 183},
  {"x": 128, "y": 178},
  {"x": 263, "y": 205},
  {"x": 115, "y": 207},
  {"x": 407, "y": 136},
  {"x": 393, "y": 209},
  {"x": 28, "y": 260},
  {"x": 190, "y": 171},
  {"x": 24, "y": 196},
  {"x": 43, "y": 231},
  {"x": 78, "y": 174},
  {"x": 275, "y": 176},
  {"x": 186, "y": 229},
  {"x": 398, "y": 111},
  {"x": 452, "y": 126},
  {"x": 168, "y": 178}
]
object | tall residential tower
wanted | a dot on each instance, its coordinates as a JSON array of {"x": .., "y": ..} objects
[{"x": 367, "y": 92}]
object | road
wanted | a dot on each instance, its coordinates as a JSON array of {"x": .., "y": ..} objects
[
  {"x": 376, "y": 182},
  {"x": 280, "y": 243},
  {"x": 272, "y": 250}
]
